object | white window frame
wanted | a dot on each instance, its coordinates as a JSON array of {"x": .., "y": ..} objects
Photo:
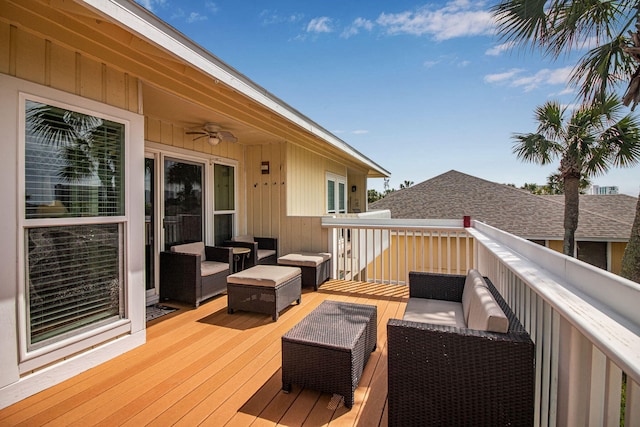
[
  {"x": 337, "y": 180},
  {"x": 162, "y": 151},
  {"x": 30, "y": 359},
  {"x": 234, "y": 212}
]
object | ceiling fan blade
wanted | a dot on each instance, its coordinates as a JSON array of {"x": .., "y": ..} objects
[
  {"x": 196, "y": 132},
  {"x": 227, "y": 136},
  {"x": 203, "y": 135}
]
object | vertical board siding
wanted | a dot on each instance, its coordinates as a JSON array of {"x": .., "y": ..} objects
[{"x": 30, "y": 57}]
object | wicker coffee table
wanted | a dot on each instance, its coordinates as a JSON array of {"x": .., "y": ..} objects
[{"x": 328, "y": 349}]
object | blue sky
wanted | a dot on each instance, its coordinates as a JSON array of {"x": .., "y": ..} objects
[{"x": 419, "y": 87}]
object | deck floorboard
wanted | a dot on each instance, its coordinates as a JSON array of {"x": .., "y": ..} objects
[{"x": 206, "y": 367}]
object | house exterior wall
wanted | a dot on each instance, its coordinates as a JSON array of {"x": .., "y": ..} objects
[
  {"x": 435, "y": 254},
  {"x": 306, "y": 179},
  {"x": 174, "y": 137},
  {"x": 22, "y": 373},
  {"x": 617, "y": 252}
]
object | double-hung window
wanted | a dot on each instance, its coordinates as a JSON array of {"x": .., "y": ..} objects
[
  {"x": 336, "y": 193},
  {"x": 73, "y": 221}
]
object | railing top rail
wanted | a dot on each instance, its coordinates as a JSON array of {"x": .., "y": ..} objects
[
  {"x": 608, "y": 323},
  {"x": 391, "y": 223}
]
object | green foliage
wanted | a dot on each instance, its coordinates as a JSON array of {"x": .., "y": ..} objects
[
  {"x": 588, "y": 141},
  {"x": 373, "y": 195},
  {"x": 557, "y": 27}
]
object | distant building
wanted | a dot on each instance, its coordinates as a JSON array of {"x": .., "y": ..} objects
[
  {"x": 604, "y": 224},
  {"x": 597, "y": 190}
]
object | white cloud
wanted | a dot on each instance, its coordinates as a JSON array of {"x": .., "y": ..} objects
[
  {"x": 502, "y": 77},
  {"x": 195, "y": 17},
  {"x": 320, "y": 25},
  {"x": 499, "y": 49},
  {"x": 213, "y": 8},
  {"x": 360, "y": 132},
  {"x": 545, "y": 77},
  {"x": 455, "y": 19},
  {"x": 355, "y": 27},
  {"x": 150, "y": 4},
  {"x": 270, "y": 17}
]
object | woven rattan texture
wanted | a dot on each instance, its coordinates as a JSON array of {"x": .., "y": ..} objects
[
  {"x": 447, "y": 376},
  {"x": 328, "y": 349},
  {"x": 264, "y": 299}
]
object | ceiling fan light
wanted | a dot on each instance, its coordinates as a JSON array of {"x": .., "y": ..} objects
[{"x": 214, "y": 140}]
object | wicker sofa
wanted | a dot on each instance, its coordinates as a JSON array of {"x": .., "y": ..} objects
[
  {"x": 446, "y": 375},
  {"x": 193, "y": 272}
]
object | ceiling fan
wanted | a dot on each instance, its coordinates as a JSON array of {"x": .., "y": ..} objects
[{"x": 213, "y": 133}]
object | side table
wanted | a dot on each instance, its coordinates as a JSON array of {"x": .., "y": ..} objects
[
  {"x": 239, "y": 255},
  {"x": 328, "y": 350}
]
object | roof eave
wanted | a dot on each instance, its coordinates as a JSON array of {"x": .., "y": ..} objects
[{"x": 148, "y": 26}]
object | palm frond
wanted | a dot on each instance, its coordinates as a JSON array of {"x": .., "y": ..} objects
[
  {"x": 535, "y": 148},
  {"x": 602, "y": 69},
  {"x": 522, "y": 21}
]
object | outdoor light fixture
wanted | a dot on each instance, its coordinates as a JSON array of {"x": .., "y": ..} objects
[{"x": 214, "y": 140}]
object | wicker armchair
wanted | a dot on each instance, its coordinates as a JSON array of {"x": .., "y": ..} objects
[
  {"x": 264, "y": 250},
  {"x": 450, "y": 376},
  {"x": 185, "y": 278}
]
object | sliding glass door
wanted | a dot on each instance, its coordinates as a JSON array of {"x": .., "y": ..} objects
[{"x": 183, "y": 207}]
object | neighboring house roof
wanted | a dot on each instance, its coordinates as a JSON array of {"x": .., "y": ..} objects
[
  {"x": 147, "y": 26},
  {"x": 453, "y": 195}
]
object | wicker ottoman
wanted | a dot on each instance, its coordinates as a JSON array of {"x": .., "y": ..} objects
[
  {"x": 328, "y": 350},
  {"x": 265, "y": 289},
  {"x": 315, "y": 267}
]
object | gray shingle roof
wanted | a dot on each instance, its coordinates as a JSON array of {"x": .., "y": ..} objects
[{"x": 453, "y": 195}]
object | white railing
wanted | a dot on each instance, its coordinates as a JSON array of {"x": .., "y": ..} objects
[
  {"x": 584, "y": 321},
  {"x": 384, "y": 250}
]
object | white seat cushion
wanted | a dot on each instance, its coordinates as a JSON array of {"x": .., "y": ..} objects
[
  {"x": 244, "y": 238},
  {"x": 208, "y": 268},
  {"x": 484, "y": 312},
  {"x": 474, "y": 278},
  {"x": 304, "y": 259},
  {"x": 196, "y": 248},
  {"x": 436, "y": 312},
  {"x": 263, "y": 253},
  {"x": 264, "y": 275}
]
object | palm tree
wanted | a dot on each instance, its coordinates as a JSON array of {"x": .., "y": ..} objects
[
  {"x": 630, "y": 262},
  {"x": 406, "y": 184},
  {"x": 559, "y": 27},
  {"x": 588, "y": 142}
]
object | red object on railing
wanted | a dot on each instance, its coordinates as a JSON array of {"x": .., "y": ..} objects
[{"x": 467, "y": 221}]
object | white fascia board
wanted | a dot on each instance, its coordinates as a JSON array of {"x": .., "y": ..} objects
[{"x": 140, "y": 21}]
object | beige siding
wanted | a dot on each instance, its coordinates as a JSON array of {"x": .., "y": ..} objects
[
  {"x": 357, "y": 199},
  {"x": 265, "y": 192},
  {"x": 306, "y": 172},
  {"x": 32, "y": 58},
  {"x": 617, "y": 253},
  {"x": 303, "y": 233},
  {"x": 435, "y": 254},
  {"x": 556, "y": 245}
]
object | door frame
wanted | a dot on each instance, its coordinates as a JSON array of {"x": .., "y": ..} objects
[{"x": 159, "y": 152}]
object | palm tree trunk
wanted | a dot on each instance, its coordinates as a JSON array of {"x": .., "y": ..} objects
[
  {"x": 571, "y": 210},
  {"x": 631, "y": 258}
]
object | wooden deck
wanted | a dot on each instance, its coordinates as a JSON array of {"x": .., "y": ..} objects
[{"x": 206, "y": 367}]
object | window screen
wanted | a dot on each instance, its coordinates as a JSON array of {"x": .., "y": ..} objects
[
  {"x": 73, "y": 163},
  {"x": 73, "y": 167},
  {"x": 74, "y": 278}
]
